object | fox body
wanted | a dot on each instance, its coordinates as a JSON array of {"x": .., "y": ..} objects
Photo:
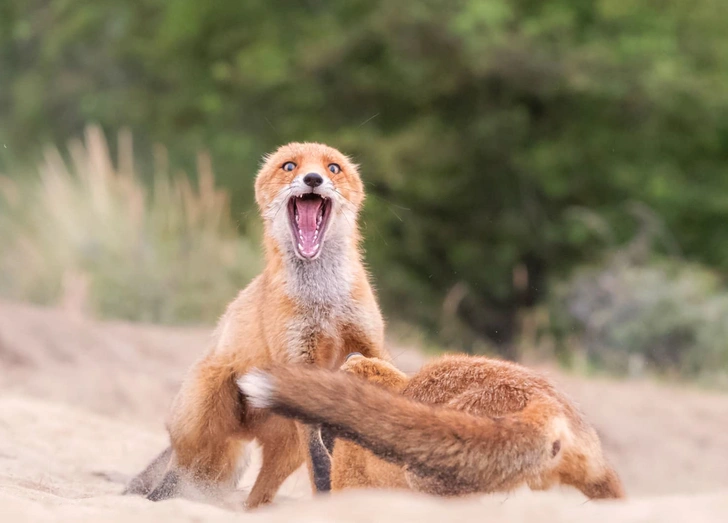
[
  {"x": 461, "y": 425},
  {"x": 311, "y": 304}
]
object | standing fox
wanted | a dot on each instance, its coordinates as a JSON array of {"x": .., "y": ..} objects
[
  {"x": 461, "y": 425},
  {"x": 311, "y": 305}
]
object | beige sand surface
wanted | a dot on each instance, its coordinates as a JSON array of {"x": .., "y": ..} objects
[{"x": 82, "y": 405}]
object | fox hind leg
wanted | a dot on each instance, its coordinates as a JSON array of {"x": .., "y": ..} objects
[
  {"x": 208, "y": 428},
  {"x": 283, "y": 453}
]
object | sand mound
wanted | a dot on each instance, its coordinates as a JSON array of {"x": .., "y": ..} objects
[{"x": 82, "y": 404}]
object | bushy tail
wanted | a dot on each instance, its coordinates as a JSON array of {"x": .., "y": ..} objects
[{"x": 482, "y": 453}]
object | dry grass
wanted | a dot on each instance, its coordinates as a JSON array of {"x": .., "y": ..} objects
[{"x": 91, "y": 235}]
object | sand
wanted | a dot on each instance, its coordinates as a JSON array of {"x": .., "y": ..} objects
[{"x": 82, "y": 405}]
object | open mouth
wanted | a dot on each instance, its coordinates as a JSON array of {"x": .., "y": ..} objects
[{"x": 309, "y": 217}]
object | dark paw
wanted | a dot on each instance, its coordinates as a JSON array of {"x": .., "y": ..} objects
[
  {"x": 320, "y": 460},
  {"x": 166, "y": 489},
  {"x": 136, "y": 488}
]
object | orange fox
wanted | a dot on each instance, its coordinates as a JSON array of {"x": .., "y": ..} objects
[
  {"x": 461, "y": 425},
  {"x": 311, "y": 304}
]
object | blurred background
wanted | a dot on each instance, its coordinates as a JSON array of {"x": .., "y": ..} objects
[{"x": 546, "y": 180}]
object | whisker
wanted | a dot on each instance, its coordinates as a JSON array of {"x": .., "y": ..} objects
[
  {"x": 402, "y": 207},
  {"x": 369, "y": 119},
  {"x": 399, "y": 354},
  {"x": 389, "y": 208},
  {"x": 284, "y": 202},
  {"x": 397, "y": 215},
  {"x": 274, "y": 183},
  {"x": 380, "y": 233},
  {"x": 245, "y": 214},
  {"x": 348, "y": 200},
  {"x": 337, "y": 191},
  {"x": 375, "y": 195},
  {"x": 269, "y": 123}
]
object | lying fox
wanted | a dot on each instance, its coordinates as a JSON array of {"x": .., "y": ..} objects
[
  {"x": 311, "y": 304},
  {"x": 461, "y": 425}
]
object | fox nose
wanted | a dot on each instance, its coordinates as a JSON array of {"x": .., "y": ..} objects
[{"x": 313, "y": 179}]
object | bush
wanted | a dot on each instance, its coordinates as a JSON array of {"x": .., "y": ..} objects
[
  {"x": 92, "y": 233},
  {"x": 479, "y": 124},
  {"x": 667, "y": 316}
]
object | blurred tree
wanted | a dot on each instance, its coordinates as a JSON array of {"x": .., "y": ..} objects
[{"x": 485, "y": 128}]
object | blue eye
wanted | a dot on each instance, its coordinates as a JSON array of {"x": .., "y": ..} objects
[
  {"x": 288, "y": 166},
  {"x": 334, "y": 168}
]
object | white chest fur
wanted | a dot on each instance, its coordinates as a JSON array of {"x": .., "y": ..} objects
[{"x": 321, "y": 289}]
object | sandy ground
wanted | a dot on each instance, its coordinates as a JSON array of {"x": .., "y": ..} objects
[{"x": 82, "y": 405}]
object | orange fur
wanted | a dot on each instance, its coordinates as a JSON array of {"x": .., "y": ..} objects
[
  {"x": 461, "y": 425},
  {"x": 303, "y": 309}
]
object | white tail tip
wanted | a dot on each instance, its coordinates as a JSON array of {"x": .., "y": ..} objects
[{"x": 258, "y": 387}]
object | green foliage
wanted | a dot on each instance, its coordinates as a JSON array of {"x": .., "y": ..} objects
[
  {"x": 94, "y": 237},
  {"x": 484, "y": 127}
]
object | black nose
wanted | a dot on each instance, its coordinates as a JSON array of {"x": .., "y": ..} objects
[{"x": 313, "y": 179}]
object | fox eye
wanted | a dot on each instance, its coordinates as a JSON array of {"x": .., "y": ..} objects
[
  {"x": 288, "y": 166},
  {"x": 334, "y": 168}
]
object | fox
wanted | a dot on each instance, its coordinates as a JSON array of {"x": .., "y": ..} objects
[
  {"x": 461, "y": 425},
  {"x": 311, "y": 303}
]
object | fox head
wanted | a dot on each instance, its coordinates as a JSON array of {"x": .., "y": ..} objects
[{"x": 308, "y": 194}]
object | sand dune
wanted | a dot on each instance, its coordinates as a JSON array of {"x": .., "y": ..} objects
[{"x": 82, "y": 405}]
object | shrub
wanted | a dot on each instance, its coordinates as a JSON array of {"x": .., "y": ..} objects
[
  {"x": 92, "y": 234},
  {"x": 667, "y": 316}
]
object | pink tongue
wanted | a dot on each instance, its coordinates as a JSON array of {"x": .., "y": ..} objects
[{"x": 308, "y": 212}]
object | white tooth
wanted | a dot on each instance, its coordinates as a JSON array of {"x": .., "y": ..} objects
[{"x": 300, "y": 247}]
